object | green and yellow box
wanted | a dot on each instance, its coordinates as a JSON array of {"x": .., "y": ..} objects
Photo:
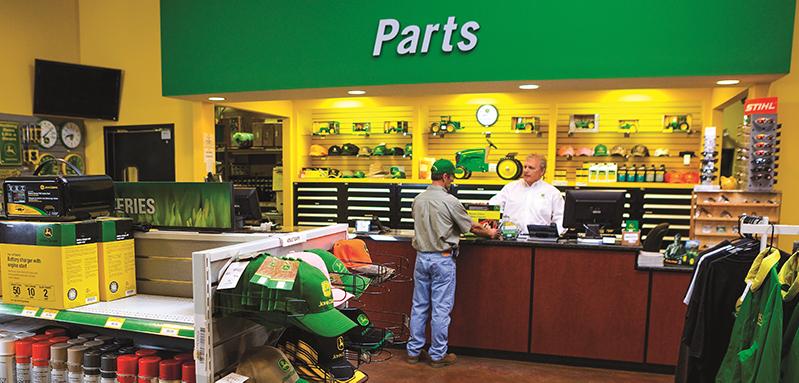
[
  {"x": 49, "y": 264},
  {"x": 116, "y": 258}
]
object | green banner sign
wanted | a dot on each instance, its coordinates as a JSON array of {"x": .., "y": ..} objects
[
  {"x": 10, "y": 149},
  {"x": 177, "y": 204},
  {"x": 211, "y": 46}
]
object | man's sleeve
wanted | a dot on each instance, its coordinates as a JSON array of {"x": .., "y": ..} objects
[
  {"x": 459, "y": 215},
  {"x": 500, "y": 198},
  {"x": 558, "y": 205}
]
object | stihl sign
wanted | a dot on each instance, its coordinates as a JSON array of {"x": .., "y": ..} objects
[{"x": 761, "y": 106}]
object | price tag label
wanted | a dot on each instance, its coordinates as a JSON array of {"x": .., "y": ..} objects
[
  {"x": 49, "y": 314},
  {"x": 114, "y": 322},
  {"x": 169, "y": 331},
  {"x": 233, "y": 378},
  {"x": 292, "y": 239},
  {"x": 29, "y": 311}
]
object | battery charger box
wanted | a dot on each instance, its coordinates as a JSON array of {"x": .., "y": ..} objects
[
  {"x": 116, "y": 258},
  {"x": 49, "y": 264}
]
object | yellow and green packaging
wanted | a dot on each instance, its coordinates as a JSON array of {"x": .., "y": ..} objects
[
  {"x": 49, "y": 264},
  {"x": 116, "y": 258}
]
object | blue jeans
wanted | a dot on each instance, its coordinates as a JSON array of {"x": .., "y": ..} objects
[{"x": 433, "y": 287}]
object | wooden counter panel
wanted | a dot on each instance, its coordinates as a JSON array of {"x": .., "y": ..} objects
[
  {"x": 589, "y": 304},
  {"x": 398, "y": 295},
  {"x": 492, "y": 298},
  {"x": 666, "y": 317}
]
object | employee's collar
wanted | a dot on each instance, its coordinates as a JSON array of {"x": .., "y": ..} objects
[
  {"x": 437, "y": 187},
  {"x": 761, "y": 267},
  {"x": 789, "y": 278},
  {"x": 524, "y": 182}
]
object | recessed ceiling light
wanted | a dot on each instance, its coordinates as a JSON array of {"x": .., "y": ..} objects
[
  {"x": 356, "y": 92},
  {"x": 727, "y": 82},
  {"x": 528, "y": 86},
  {"x": 216, "y": 99}
]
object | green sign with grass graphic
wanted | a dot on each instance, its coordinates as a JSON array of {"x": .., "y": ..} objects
[{"x": 177, "y": 204}]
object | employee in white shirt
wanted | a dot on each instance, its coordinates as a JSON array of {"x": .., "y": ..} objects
[{"x": 530, "y": 200}]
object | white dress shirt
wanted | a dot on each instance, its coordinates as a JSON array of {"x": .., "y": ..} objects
[{"x": 536, "y": 204}]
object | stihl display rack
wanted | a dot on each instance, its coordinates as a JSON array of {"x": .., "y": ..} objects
[{"x": 763, "y": 144}]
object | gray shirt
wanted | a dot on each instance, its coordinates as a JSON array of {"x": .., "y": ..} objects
[{"x": 439, "y": 220}]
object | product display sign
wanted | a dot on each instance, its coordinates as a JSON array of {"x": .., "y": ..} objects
[
  {"x": 10, "y": 153},
  {"x": 177, "y": 204},
  {"x": 363, "y": 43}
]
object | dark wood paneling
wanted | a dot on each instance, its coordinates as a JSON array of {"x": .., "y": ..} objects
[
  {"x": 666, "y": 316},
  {"x": 589, "y": 304},
  {"x": 492, "y": 298},
  {"x": 394, "y": 296}
]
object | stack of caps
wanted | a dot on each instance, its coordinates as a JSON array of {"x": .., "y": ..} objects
[{"x": 318, "y": 358}]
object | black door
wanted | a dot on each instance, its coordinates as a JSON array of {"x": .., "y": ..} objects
[{"x": 140, "y": 152}]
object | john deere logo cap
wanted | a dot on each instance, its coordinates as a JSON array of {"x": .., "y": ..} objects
[
  {"x": 284, "y": 365},
  {"x": 326, "y": 289},
  {"x": 340, "y": 343},
  {"x": 443, "y": 166},
  {"x": 351, "y": 283},
  {"x": 600, "y": 151},
  {"x": 363, "y": 320}
]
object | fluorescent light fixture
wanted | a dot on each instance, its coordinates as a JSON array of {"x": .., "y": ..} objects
[
  {"x": 728, "y": 82},
  {"x": 356, "y": 92},
  {"x": 528, "y": 86},
  {"x": 216, "y": 99}
]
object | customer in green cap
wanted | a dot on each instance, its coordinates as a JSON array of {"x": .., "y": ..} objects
[{"x": 439, "y": 220}]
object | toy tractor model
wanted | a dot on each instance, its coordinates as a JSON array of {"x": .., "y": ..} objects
[
  {"x": 519, "y": 124},
  {"x": 400, "y": 128},
  {"x": 242, "y": 140},
  {"x": 476, "y": 160},
  {"x": 361, "y": 128},
  {"x": 584, "y": 124},
  {"x": 446, "y": 125},
  {"x": 332, "y": 127},
  {"x": 677, "y": 124}
]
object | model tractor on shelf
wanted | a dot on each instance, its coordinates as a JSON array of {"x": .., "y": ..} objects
[
  {"x": 584, "y": 124},
  {"x": 242, "y": 140},
  {"x": 327, "y": 128},
  {"x": 401, "y": 127},
  {"x": 444, "y": 126},
  {"x": 476, "y": 160},
  {"x": 676, "y": 124},
  {"x": 361, "y": 128}
]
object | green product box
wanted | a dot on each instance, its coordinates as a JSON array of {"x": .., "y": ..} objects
[{"x": 116, "y": 258}]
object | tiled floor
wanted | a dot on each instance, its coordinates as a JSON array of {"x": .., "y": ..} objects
[{"x": 472, "y": 369}]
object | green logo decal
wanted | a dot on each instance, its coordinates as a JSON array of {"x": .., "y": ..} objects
[
  {"x": 284, "y": 365},
  {"x": 363, "y": 320}
]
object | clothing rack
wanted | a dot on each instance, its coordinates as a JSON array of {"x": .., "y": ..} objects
[{"x": 767, "y": 230}]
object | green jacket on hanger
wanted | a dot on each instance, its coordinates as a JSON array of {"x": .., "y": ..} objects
[
  {"x": 755, "y": 348},
  {"x": 789, "y": 279}
]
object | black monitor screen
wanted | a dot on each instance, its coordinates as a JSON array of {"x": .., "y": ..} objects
[
  {"x": 63, "y": 89},
  {"x": 602, "y": 207},
  {"x": 246, "y": 204}
]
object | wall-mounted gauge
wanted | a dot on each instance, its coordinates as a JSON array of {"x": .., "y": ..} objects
[
  {"x": 487, "y": 115},
  {"x": 77, "y": 161},
  {"x": 49, "y": 134},
  {"x": 50, "y": 167},
  {"x": 71, "y": 135}
]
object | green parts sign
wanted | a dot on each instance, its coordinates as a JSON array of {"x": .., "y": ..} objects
[
  {"x": 10, "y": 153},
  {"x": 177, "y": 204},
  {"x": 210, "y": 46},
  {"x": 388, "y": 29}
]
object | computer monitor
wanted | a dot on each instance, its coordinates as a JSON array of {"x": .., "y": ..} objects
[
  {"x": 246, "y": 204},
  {"x": 589, "y": 210}
]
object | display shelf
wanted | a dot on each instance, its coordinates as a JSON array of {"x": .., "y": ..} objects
[
  {"x": 642, "y": 185},
  {"x": 375, "y": 134},
  {"x": 727, "y": 204},
  {"x": 711, "y": 219},
  {"x": 715, "y": 235},
  {"x": 150, "y": 314},
  {"x": 360, "y": 158},
  {"x": 248, "y": 152}
]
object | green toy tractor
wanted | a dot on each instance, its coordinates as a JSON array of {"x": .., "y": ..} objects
[
  {"x": 329, "y": 128},
  {"x": 476, "y": 160},
  {"x": 677, "y": 124},
  {"x": 401, "y": 127},
  {"x": 446, "y": 125},
  {"x": 584, "y": 124}
]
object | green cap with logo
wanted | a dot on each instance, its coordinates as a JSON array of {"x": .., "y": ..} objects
[
  {"x": 443, "y": 166},
  {"x": 353, "y": 284},
  {"x": 268, "y": 364},
  {"x": 311, "y": 303},
  {"x": 600, "y": 151}
]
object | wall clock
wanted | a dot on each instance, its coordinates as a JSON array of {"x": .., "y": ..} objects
[
  {"x": 487, "y": 115},
  {"x": 49, "y": 134},
  {"x": 71, "y": 135}
]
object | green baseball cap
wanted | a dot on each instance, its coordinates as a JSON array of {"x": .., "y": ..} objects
[
  {"x": 351, "y": 283},
  {"x": 310, "y": 301},
  {"x": 443, "y": 166},
  {"x": 600, "y": 151}
]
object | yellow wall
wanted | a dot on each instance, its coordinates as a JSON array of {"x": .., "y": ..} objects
[
  {"x": 787, "y": 89},
  {"x": 127, "y": 35},
  {"x": 28, "y": 30}
]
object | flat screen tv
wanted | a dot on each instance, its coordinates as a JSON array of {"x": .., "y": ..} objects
[{"x": 72, "y": 90}]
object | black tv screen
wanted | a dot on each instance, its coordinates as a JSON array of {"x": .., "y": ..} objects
[{"x": 72, "y": 90}]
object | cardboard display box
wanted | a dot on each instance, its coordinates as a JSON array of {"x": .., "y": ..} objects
[
  {"x": 49, "y": 264},
  {"x": 116, "y": 259}
]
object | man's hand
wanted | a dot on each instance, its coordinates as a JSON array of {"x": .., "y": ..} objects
[{"x": 484, "y": 231}]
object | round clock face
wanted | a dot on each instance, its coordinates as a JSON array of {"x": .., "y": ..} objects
[
  {"x": 49, "y": 134},
  {"x": 70, "y": 135},
  {"x": 487, "y": 115}
]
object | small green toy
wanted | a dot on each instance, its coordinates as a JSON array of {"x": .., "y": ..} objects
[
  {"x": 332, "y": 127},
  {"x": 677, "y": 123},
  {"x": 476, "y": 160},
  {"x": 691, "y": 253},
  {"x": 361, "y": 128},
  {"x": 396, "y": 172},
  {"x": 401, "y": 127},
  {"x": 242, "y": 140},
  {"x": 446, "y": 125},
  {"x": 408, "y": 151}
]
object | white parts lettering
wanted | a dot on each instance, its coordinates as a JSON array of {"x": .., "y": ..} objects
[{"x": 389, "y": 29}]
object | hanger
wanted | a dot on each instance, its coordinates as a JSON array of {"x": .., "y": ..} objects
[{"x": 771, "y": 239}]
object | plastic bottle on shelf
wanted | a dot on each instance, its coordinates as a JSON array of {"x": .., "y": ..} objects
[
  {"x": 183, "y": 358},
  {"x": 148, "y": 369},
  {"x": 75, "y": 363},
  {"x": 22, "y": 354},
  {"x": 169, "y": 371},
  {"x": 58, "y": 339},
  {"x": 631, "y": 174},
  {"x": 105, "y": 339},
  {"x": 23, "y": 335},
  {"x": 40, "y": 361},
  {"x": 7, "y": 367},
  {"x": 40, "y": 338},
  {"x": 146, "y": 352},
  {"x": 88, "y": 335},
  {"x": 57, "y": 331},
  {"x": 188, "y": 374},
  {"x": 650, "y": 174},
  {"x": 58, "y": 362},
  {"x": 76, "y": 341},
  {"x": 123, "y": 342},
  {"x": 108, "y": 368},
  {"x": 621, "y": 176},
  {"x": 660, "y": 176},
  {"x": 91, "y": 366},
  {"x": 93, "y": 344},
  {"x": 640, "y": 174},
  {"x": 127, "y": 368}
]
